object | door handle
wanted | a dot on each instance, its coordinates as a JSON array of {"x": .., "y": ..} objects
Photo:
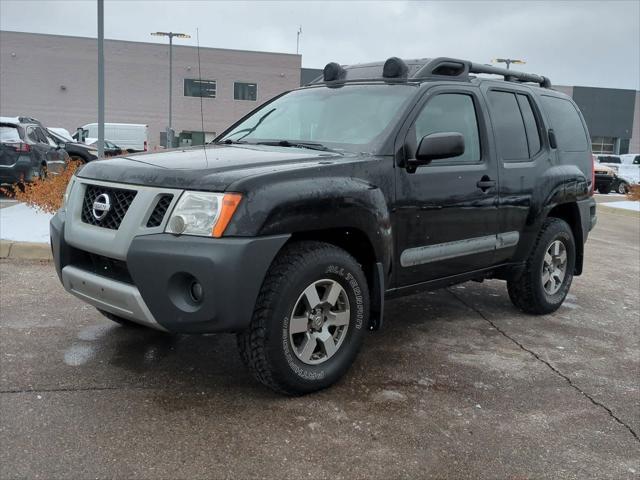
[{"x": 485, "y": 183}]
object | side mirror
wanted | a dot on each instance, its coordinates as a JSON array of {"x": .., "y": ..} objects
[{"x": 437, "y": 146}]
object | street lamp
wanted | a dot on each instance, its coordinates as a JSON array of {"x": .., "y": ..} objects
[
  {"x": 508, "y": 61},
  {"x": 170, "y": 35}
]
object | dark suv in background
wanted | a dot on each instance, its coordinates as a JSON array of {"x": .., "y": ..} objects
[
  {"x": 27, "y": 151},
  {"x": 375, "y": 181}
]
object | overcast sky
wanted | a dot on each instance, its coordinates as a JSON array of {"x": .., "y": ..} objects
[{"x": 573, "y": 43}]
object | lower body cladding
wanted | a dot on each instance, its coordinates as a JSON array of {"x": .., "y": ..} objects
[{"x": 182, "y": 284}]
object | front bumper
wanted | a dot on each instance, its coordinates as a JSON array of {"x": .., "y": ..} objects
[{"x": 161, "y": 270}]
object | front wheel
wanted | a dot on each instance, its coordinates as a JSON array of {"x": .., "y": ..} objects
[
  {"x": 309, "y": 319},
  {"x": 623, "y": 188},
  {"x": 546, "y": 279}
]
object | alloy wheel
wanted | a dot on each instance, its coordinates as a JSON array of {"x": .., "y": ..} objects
[
  {"x": 319, "y": 321},
  {"x": 554, "y": 267}
]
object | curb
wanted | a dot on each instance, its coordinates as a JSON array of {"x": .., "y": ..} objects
[{"x": 25, "y": 250}]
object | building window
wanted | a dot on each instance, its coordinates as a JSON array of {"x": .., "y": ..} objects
[
  {"x": 199, "y": 88},
  {"x": 603, "y": 145},
  {"x": 245, "y": 91}
]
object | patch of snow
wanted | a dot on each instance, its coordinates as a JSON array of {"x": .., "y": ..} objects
[
  {"x": 624, "y": 205},
  {"x": 21, "y": 223}
]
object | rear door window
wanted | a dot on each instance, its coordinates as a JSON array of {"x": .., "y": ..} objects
[
  {"x": 566, "y": 124},
  {"x": 530, "y": 124},
  {"x": 9, "y": 134},
  {"x": 508, "y": 126}
]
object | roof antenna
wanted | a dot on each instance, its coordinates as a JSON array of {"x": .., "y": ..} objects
[{"x": 204, "y": 143}]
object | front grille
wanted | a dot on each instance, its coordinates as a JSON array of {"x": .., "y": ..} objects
[
  {"x": 100, "y": 265},
  {"x": 159, "y": 212},
  {"x": 119, "y": 199}
]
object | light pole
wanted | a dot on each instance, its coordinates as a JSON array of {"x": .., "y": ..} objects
[
  {"x": 100, "y": 80},
  {"x": 170, "y": 35},
  {"x": 298, "y": 39},
  {"x": 508, "y": 61}
]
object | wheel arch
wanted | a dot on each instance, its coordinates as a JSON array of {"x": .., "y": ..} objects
[
  {"x": 358, "y": 244},
  {"x": 570, "y": 213}
]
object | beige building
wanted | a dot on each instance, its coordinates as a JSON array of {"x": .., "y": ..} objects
[{"x": 54, "y": 78}]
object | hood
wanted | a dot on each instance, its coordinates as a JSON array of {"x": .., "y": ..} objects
[{"x": 211, "y": 168}]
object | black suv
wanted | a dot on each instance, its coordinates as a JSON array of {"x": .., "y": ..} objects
[
  {"x": 292, "y": 229},
  {"x": 27, "y": 151}
]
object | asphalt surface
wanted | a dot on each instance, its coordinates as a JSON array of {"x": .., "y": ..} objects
[{"x": 458, "y": 384}]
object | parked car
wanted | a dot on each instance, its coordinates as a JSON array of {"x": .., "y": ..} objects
[
  {"x": 27, "y": 152},
  {"x": 630, "y": 159},
  {"x": 110, "y": 148},
  {"x": 604, "y": 177},
  {"x": 625, "y": 173},
  {"x": 292, "y": 229},
  {"x": 62, "y": 132},
  {"x": 77, "y": 151},
  {"x": 131, "y": 137}
]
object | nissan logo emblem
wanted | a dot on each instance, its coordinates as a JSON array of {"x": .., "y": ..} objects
[{"x": 101, "y": 206}]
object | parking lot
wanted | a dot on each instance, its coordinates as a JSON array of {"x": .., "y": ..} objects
[{"x": 458, "y": 384}]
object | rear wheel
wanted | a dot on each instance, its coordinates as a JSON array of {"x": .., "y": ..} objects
[
  {"x": 309, "y": 319},
  {"x": 546, "y": 279},
  {"x": 623, "y": 188}
]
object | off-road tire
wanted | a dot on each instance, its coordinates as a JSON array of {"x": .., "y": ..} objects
[
  {"x": 527, "y": 292},
  {"x": 265, "y": 346}
]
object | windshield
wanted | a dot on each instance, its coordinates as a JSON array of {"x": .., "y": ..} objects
[{"x": 353, "y": 118}]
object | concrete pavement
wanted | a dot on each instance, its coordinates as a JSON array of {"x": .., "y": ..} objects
[{"x": 458, "y": 384}]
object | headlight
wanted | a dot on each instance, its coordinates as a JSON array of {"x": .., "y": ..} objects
[
  {"x": 67, "y": 192},
  {"x": 203, "y": 213}
]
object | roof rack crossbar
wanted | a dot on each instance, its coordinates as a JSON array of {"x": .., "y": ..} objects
[{"x": 510, "y": 74}]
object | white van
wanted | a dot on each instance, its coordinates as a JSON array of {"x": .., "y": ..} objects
[{"x": 128, "y": 136}]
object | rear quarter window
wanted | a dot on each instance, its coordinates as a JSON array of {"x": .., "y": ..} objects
[{"x": 566, "y": 123}]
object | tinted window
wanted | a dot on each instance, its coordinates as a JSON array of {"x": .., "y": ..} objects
[
  {"x": 451, "y": 112},
  {"x": 508, "y": 126},
  {"x": 9, "y": 134},
  {"x": 530, "y": 124},
  {"x": 566, "y": 124},
  {"x": 245, "y": 91},
  {"x": 199, "y": 88}
]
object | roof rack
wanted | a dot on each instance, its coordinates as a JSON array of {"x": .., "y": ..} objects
[
  {"x": 511, "y": 75},
  {"x": 396, "y": 69}
]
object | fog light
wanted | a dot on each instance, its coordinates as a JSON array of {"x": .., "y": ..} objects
[
  {"x": 196, "y": 292},
  {"x": 176, "y": 225}
]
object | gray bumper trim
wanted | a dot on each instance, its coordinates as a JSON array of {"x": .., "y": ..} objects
[{"x": 114, "y": 297}]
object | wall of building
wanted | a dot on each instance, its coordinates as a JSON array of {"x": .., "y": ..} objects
[
  {"x": 634, "y": 144},
  {"x": 54, "y": 78},
  {"x": 607, "y": 111}
]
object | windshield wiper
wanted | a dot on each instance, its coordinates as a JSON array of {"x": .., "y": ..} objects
[
  {"x": 248, "y": 131},
  {"x": 295, "y": 144}
]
